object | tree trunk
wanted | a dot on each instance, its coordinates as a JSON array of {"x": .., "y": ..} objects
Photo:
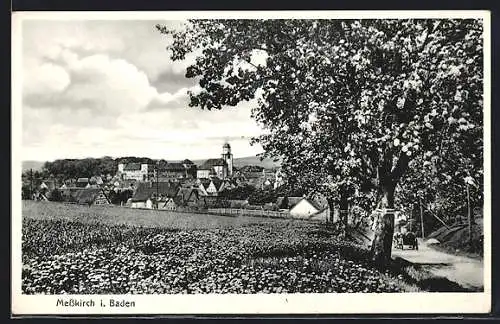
[
  {"x": 331, "y": 207},
  {"x": 344, "y": 209},
  {"x": 384, "y": 227}
]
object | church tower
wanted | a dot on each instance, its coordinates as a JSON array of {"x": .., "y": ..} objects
[{"x": 228, "y": 158}]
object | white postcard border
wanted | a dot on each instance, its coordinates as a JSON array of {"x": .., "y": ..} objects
[{"x": 232, "y": 303}]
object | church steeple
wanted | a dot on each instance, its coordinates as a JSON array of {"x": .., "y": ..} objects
[{"x": 228, "y": 158}]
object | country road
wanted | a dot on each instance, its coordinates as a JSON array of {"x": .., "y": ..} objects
[{"x": 465, "y": 271}]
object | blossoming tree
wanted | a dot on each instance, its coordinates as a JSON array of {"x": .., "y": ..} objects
[{"x": 354, "y": 101}]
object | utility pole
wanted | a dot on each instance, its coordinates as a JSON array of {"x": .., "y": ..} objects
[
  {"x": 157, "y": 190},
  {"x": 421, "y": 216},
  {"x": 31, "y": 183}
]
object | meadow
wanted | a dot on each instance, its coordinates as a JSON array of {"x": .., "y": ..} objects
[{"x": 114, "y": 250}]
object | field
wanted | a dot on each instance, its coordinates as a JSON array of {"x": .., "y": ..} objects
[{"x": 102, "y": 250}]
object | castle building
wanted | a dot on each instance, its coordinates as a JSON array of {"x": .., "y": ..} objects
[{"x": 135, "y": 171}]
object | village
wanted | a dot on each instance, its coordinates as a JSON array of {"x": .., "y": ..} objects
[{"x": 215, "y": 186}]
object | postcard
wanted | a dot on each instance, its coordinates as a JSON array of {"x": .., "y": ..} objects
[{"x": 246, "y": 162}]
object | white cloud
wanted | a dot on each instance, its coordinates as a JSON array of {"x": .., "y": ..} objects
[
  {"x": 119, "y": 85},
  {"x": 46, "y": 78}
]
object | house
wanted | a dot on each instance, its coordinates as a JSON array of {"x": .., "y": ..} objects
[
  {"x": 287, "y": 202},
  {"x": 306, "y": 208},
  {"x": 82, "y": 183},
  {"x": 135, "y": 171},
  {"x": 169, "y": 204},
  {"x": 201, "y": 185},
  {"x": 187, "y": 197},
  {"x": 92, "y": 196},
  {"x": 213, "y": 202},
  {"x": 120, "y": 185},
  {"x": 211, "y": 187},
  {"x": 260, "y": 179},
  {"x": 68, "y": 183},
  {"x": 213, "y": 167},
  {"x": 174, "y": 170},
  {"x": 85, "y": 196},
  {"x": 219, "y": 167},
  {"x": 149, "y": 192}
]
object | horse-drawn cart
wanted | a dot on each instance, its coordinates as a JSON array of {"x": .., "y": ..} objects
[{"x": 405, "y": 239}]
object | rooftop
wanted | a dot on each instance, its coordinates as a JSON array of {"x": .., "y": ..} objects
[
  {"x": 146, "y": 190},
  {"x": 132, "y": 167},
  {"x": 210, "y": 163}
]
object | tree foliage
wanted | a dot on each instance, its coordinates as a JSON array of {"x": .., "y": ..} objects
[
  {"x": 238, "y": 193},
  {"x": 356, "y": 105}
]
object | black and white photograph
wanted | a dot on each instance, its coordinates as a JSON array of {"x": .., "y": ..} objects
[{"x": 260, "y": 162}]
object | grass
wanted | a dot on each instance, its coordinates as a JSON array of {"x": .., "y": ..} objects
[
  {"x": 115, "y": 215},
  {"x": 295, "y": 245}
]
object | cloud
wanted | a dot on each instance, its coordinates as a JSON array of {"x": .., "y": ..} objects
[
  {"x": 46, "y": 78},
  {"x": 167, "y": 100},
  {"x": 168, "y": 81},
  {"x": 96, "y": 82},
  {"x": 95, "y": 88}
]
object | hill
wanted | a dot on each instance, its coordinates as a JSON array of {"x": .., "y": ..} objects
[
  {"x": 35, "y": 165},
  {"x": 248, "y": 160},
  {"x": 254, "y": 160}
]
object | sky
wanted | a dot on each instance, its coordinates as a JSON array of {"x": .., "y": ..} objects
[{"x": 108, "y": 88}]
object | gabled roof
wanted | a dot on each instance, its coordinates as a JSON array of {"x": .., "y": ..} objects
[
  {"x": 132, "y": 167},
  {"x": 82, "y": 182},
  {"x": 288, "y": 202},
  {"x": 83, "y": 195},
  {"x": 217, "y": 183},
  {"x": 292, "y": 201},
  {"x": 88, "y": 195},
  {"x": 319, "y": 202},
  {"x": 204, "y": 182},
  {"x": 146, "y": 190},
  {"x": 186, "y": 194},
  {"x": 210, "y": 163},
  {"x": 316, "y": 202}
]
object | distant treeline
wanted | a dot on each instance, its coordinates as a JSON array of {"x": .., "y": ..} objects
[{"x": 76, "y": 168}]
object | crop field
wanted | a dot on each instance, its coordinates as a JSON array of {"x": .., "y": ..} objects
[{"x": 113, "y": 250}]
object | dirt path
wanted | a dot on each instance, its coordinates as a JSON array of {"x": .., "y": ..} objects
[{"x": 465, "y": 271}]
